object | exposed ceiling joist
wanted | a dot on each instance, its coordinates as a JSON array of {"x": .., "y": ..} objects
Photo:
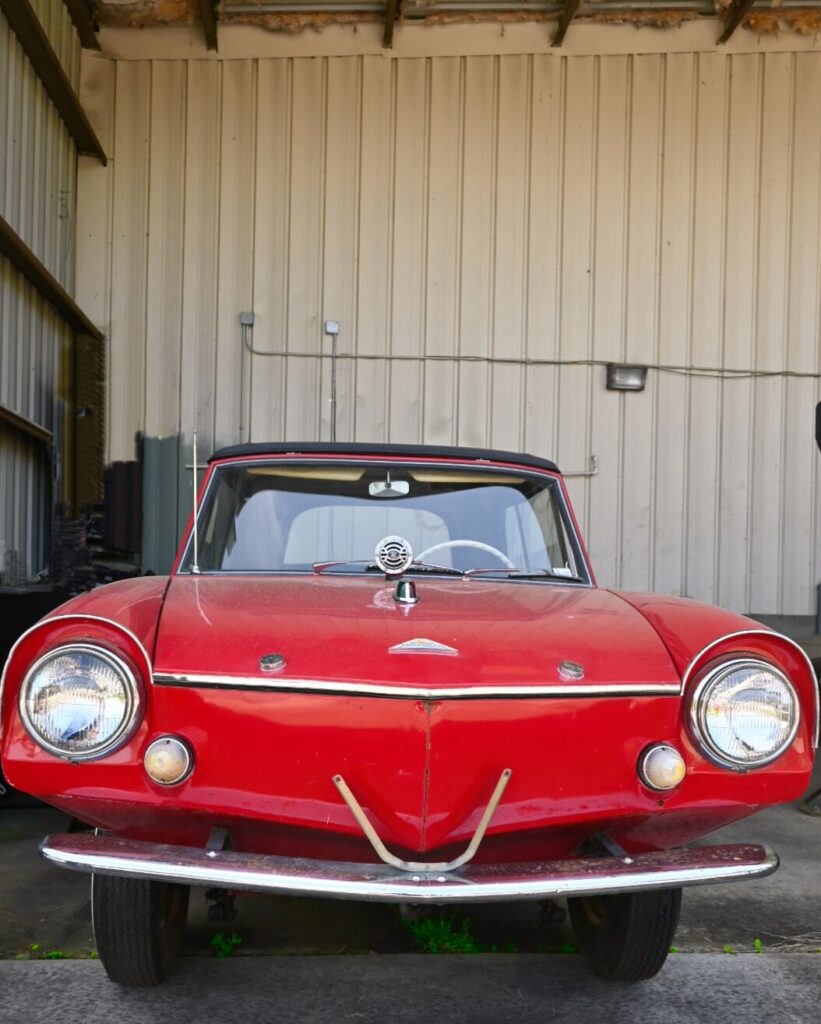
[
  {"x": 391, "y": 11},
  {"x": 82, "y": 14},
  {"x": 568, "y": 14},
  {"x": 32, "y": 37},
  {"x": 208, "y": 15},
  {"x": 767, "y": 17},
  {"x": 737, "y": 12}
]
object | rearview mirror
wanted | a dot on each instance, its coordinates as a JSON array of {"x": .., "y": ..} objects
[{"x": 388, "y": 489}]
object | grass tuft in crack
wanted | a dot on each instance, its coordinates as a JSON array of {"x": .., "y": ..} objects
[
  {"x": 224, "y": 944},
  {"x": 446, "y": 933}
]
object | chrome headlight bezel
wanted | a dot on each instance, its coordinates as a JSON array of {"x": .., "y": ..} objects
[
  {"x": 133, "y": 699},
  {"x": 698, "y": 704}
]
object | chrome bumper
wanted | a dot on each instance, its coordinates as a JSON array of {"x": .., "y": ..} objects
[{"x": 107, "y": 855}]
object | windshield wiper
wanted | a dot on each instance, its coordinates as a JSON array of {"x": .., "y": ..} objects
[
  {"x": 449, "y": 570},
  {"x": 369, "y": 566},
  {"x": 527, "y": 574},
  {"x": 319, "y": 567},
  {"x": 431, "y": 567}
]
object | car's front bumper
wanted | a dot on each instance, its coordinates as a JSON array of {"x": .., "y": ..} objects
[{"x": 580, "y": 876}]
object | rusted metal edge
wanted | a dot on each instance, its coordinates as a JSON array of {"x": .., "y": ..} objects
[
  {"x": 32, "y": 37},
  {"x": 23, "y": 259}
]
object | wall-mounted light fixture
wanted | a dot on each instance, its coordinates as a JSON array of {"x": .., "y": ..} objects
[{"x": 624, "y": 377}]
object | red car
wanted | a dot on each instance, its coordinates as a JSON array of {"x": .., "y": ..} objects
[{"x": 380, "y": 672}]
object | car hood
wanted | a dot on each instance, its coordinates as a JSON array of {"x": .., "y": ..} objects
[{"x": 462, "y": 632}]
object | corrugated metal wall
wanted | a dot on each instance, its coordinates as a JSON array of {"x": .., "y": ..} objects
[
  {"x": 471, "y": 221},
  {"x": 38, "y": 165}
]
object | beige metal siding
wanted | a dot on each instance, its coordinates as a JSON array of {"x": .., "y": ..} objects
[
  {"x": 38, "y": 198},
  {"x": 38, "y": 158},
  {"x": 59, "y": 28},
  {"x": 485, "y": 228}
]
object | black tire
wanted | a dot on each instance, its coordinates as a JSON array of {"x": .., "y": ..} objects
[
  {"x": 139, "y": 927},
  {"x": 626, "y": 936}
]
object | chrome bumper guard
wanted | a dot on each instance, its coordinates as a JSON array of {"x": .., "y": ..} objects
[{"x": 483, "y": 883}]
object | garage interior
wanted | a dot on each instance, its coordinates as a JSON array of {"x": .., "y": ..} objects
[
  {"x": 494, "y": 204},
  {"x": 495, "y": 201}
]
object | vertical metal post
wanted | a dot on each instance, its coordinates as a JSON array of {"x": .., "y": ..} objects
[
  {"x": 246, "y": 321},
  {"x": 243, "y": 330},
  {"x": 195, "y": 567},
  {"x": 332, "y": 329},
  {"x": 333, "y": 388}
]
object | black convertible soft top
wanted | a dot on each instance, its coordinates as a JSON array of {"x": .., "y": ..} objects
[{"x": 426, "y": 451}]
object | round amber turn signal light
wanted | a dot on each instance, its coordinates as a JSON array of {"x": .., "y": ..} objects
[
  {"x": 168, "y": 760},
  {"x": 661, "y": 767}
]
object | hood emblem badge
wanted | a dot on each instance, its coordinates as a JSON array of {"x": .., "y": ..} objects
[
  {"x": 271, "y": 663},
  {"x": 572, "y": 671},
  {"x": 420, "y": 645}
]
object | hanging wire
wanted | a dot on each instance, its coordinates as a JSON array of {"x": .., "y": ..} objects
[{"x": 710, "y": 372}]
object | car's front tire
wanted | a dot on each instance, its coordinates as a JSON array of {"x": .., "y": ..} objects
[
  {"x": 139, "y": 927},
  {"x": 626, "y": 936}
]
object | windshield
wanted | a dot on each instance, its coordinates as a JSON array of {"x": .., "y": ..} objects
[{"x": 274, "y": 517}]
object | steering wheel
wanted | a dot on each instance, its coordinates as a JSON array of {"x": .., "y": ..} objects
[{"x": 467, "y": 544}]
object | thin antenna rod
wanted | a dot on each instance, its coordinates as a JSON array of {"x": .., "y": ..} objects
[{"x": 195, "y": 568}]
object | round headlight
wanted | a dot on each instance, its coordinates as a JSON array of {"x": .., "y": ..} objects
[
  {"x": 79, "y": 702},
  {"x": 745, "y": 713}
]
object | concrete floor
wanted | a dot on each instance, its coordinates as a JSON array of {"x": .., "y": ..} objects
[{"x": 776, "y": 989}]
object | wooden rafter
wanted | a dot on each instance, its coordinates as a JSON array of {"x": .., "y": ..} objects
[
  {"x": 23, "y": 259},
  {"x": 32, "y": 37},
  {"x": 23, "y": 425},
  {"x": 208, "y": 16},
  {"x": 568, "y": 14},
  {"x": 391, "y": 13},
  {"x": 83, "y": 17},
  {"x": 737, "y": 13}
]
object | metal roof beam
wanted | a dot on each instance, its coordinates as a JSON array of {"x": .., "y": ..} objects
[
  {"x": 391, "y": 12},
  {"x": 737, "y": 13},
  {"x": 26, "y": 26},
  {"x": 568, "y": 14},
  {"x": 208, "y": 16},
  {"x": 82, "y": 15},
  {"x": 40, "y": 277}
]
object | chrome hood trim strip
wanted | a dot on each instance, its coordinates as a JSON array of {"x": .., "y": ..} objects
[
  {"x": 482, "y": 883},
  {"x": 467, "y": 692}
]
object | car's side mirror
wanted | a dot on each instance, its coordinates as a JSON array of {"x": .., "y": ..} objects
[{"x": 818, "y": 424}]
